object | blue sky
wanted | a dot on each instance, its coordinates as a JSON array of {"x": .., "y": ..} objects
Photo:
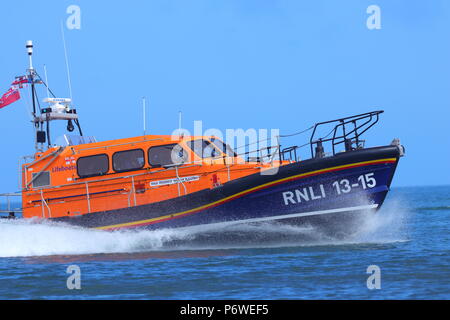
[{"x": 239, "y": 64}]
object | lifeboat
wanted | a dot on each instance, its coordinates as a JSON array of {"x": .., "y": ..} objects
[{"x": 167, "y": 181}]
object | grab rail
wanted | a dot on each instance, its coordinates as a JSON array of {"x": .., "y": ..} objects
[
  {"x": 9, "y": 210},
  {"x": 7, "y": 197},
  {"x": 349, "y": 136}
]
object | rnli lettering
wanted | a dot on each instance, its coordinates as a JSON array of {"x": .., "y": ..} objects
[
  {"x": 336, "y": 188},
  {"x": 304, "y": 195}
]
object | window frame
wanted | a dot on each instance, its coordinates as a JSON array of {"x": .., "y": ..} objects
[
  {"x": 93, "y": 175},
  {"x": 165, "y": 145},
  {"x": 40, "y": 174},
  {"x": 123, "y": 151}
]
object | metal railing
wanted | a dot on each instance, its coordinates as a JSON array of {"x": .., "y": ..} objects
[
  {"x": 8, "y": 209},
  {"x": 346, "y": 131}
]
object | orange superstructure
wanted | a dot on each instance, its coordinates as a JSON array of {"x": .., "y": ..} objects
[{"x": 55, "y": 186}]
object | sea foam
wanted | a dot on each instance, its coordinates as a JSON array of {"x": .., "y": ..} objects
[{"x": 25, "y": 238}]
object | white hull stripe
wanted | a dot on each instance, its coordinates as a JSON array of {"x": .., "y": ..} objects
[{"x": 287, "y": 216}]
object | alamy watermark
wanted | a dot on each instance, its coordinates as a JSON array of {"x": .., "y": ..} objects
[
  {"x": 74, "y": 280},
  {"x": 374, "y": 20},
  {"x": 374, "y": 280},
  {"x": 73, "y": 21}
]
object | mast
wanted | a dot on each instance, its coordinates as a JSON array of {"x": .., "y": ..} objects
[
  {"x": 31, "y": 79},
  {"x": 59, "y": 108}
]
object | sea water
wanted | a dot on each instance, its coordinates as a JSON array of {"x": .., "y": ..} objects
[{"x": 407, "y": 242}]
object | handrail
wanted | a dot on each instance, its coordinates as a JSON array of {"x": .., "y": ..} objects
[
  {"x": 133, "y": 190},
  {"x": 8, "y": 202},
  {"x": 40, "y": 159},
  {"x": 116, "y": 178},
  {"x": 346, "y": 136},
  {"x": 80, "y": 195},
  {"x": 88, "y": 197},
  {"x": 179, "y": 181},
  {"x": 119, "y": 144},
  {"x": 42, "y": 204}
]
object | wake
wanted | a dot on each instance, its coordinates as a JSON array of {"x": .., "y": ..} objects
[{"x": 28, "y": 238}]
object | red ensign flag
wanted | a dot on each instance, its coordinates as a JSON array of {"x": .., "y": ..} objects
[{"x": 9, "y": 97}]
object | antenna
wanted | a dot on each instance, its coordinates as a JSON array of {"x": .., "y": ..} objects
[
  {"x": 46, "y": 82},
  {"x": 67, "y": 61},
  {"x": 180, "y": 114},
  {"x": 143, "y": 110}
]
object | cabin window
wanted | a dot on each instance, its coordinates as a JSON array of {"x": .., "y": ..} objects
[
  {"x": 93, "y": 166},
  {"x": 41, "y": 179},
  {"x": 128, "y": 160},
  {"x": 222, "y": 146},
  {"x": 204, "y": 148},
  {"x": 166, "y": 155}
]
